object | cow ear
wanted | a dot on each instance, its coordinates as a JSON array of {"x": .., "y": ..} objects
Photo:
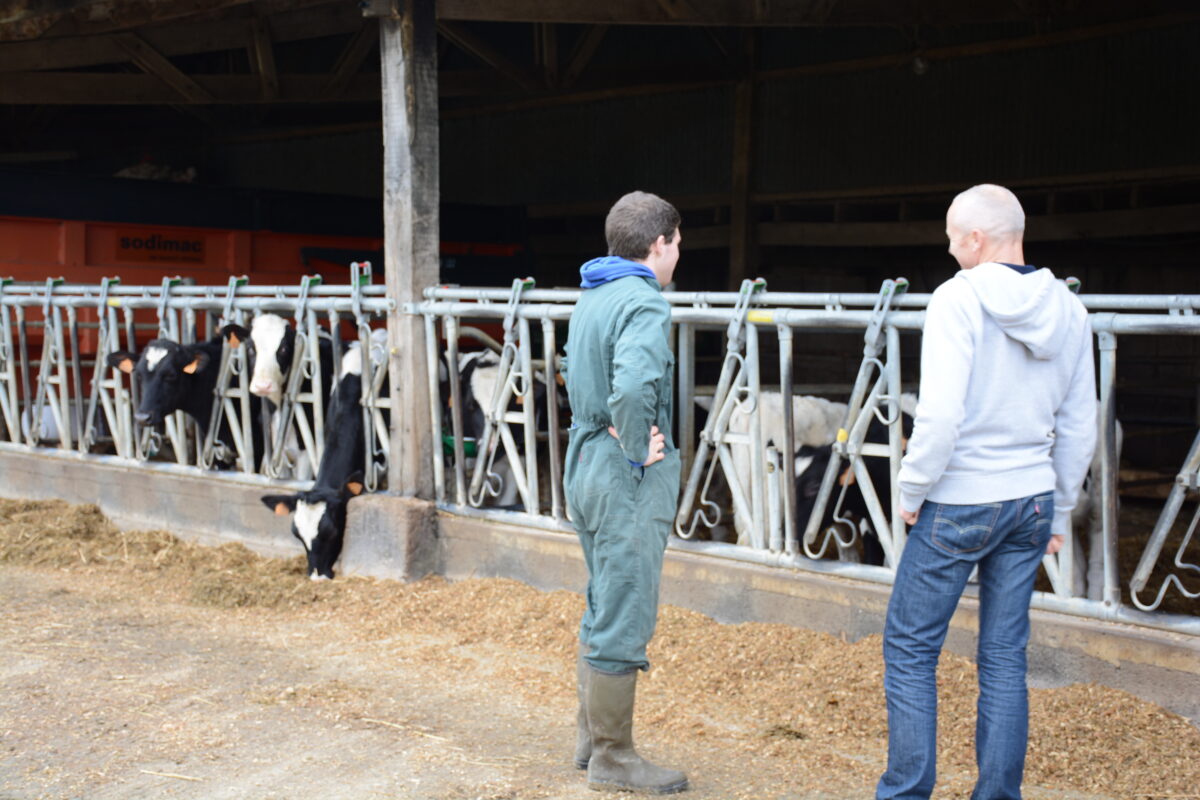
[
  {"x": 122, "y": 360},
  {"x": 281, "y": 504},
  {"x": 354, "y": 484},
  {"x": 235, "y": 335},
  {"x": 199, "y": 361}
]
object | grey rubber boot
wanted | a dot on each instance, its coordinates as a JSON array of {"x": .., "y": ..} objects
[
  {"x": 615, "y": 766},
  {"x": 583, "y": 736}
]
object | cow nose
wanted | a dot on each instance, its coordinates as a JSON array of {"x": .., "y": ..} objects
[
  {"x": 142, "y": 417},
  {"x": 262, "y": 387}
]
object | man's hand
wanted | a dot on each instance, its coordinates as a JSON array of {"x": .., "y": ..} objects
[
  {"x": 909, "y": 517},
  {"x": 658, "y": 441},
  {"x": 1056, "y": 543}
]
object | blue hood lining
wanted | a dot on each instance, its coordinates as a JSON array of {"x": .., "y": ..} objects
[{"x": 606, "y": 269}]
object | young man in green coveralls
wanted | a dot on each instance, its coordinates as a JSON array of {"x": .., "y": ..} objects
[{"x": 622, "y": 479}]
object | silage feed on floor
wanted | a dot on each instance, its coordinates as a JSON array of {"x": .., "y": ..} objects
[{"x": 808, "y": 701}]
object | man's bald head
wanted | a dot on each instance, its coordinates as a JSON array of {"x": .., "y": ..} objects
[
  {"x": 985, "y": 223},
  {"x": 989, "y": 208}
]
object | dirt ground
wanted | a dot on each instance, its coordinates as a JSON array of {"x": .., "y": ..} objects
[{"x": 137, "y": 665}]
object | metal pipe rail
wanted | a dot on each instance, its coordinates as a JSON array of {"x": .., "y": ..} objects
[
  {"x": 65, "y": 396},
  {"x": 345, "y": 305},
  {"x": 774, "y": 536},
  {"x": 1180, "y": 304},
  {"x": 191, "y": 290}
]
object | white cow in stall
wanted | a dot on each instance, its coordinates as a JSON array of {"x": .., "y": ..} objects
[{"x": 815, "y": 422}]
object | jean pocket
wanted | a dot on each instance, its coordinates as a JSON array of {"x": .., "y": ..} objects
[
  {"x": 964, "y": 529},
  {"x": 1043, "y": 514}
]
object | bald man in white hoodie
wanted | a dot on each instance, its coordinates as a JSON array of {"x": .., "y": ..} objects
[{"x": 1003, "y": 436}]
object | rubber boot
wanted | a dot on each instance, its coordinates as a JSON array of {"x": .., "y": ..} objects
[
  {"x": 583, "y": 735},
  {"x": 615, "y": 766}
]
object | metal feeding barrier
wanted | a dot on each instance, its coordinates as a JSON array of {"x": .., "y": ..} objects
[
  {"x": 58, "y": 394},
  {"x": 58, "y": 391},
  {"x": 762, "y": 496}
]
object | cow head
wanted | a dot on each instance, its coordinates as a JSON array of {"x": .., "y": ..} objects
[
  {"x": 270, "y": 343},
  {"x": 318, "y": 521},
  {"x": 164, "y": 369}
]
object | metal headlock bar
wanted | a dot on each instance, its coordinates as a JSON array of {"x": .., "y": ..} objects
[
  {"x": 850, "y": 437},
  {"x": 375, "y": 407},
  {"x": 737, "y": 386},
  {"x": 306, "y": 365},
  {"x": 231, "y": 395},
  {"x": 53, "y": 389},
  {"x": 1186, "y": 482},
  {"x": 513, "y": 379},
  {"x": 9, "y": 405}
]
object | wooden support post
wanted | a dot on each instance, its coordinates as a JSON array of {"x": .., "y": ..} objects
[
  {"x": 408, "y": 54},
  {"x": 742, "y": 250}
]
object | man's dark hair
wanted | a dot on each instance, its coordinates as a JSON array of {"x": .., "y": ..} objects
[{"x": 636, "y": 221}]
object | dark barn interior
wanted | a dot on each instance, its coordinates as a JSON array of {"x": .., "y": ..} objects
[{"x": 815, "y": 143}]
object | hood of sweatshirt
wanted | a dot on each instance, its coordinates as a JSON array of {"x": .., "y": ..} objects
[
  {"x": 1036, "y": 309},
  {"x": 600, "y": 271}
]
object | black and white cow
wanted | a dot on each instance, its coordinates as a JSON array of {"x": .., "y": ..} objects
[
  {"x": 809, "y": 468},
  {"x": 178, "y": 377},
  {"x": 271, "y": 342},
  {"x": 815, "y": 421},
  {"x": 319, "y": 514},
  {"x": 478, "y": 373}
]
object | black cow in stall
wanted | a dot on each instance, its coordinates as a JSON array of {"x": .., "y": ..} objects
[
  {"x": 810, "y": 465},
  {"x": 178, "y": 377},
  {"x": 319, "y": 514},
  {"x": 271, "y": 342}
]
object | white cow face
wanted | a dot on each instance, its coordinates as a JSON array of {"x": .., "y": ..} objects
[{"x": 272, "y": 341}]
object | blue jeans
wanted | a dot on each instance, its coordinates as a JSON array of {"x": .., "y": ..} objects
[{"x": 1007, "y": 540}]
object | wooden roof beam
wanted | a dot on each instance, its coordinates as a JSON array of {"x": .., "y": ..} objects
[
  {"x": 874, "y": 13},
  {"x": 156, "y": 64},
  {"x": 351, "y": 60},
  {"x": 583, "y": 53},
  {"x": 92, "y": 17},
  {"x": 177, "y": 39},
  {"x": 262, "y": 57},
  {"x": 96, "y": 88},
  {"x": 474, "y": 45}
]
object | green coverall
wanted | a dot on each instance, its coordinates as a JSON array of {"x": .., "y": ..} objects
[{"x": 619, "y": 373}]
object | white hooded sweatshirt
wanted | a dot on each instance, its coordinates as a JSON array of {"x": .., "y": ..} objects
[{"x": 1007, "y": 406}]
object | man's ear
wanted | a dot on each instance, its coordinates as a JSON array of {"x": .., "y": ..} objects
[
  {"x": 976, "y": 240},
  {"x": 235, "y": 335},
  {"x": 281, "y": 504},
  {"x": 658, "y": 245},
  {"x": 122, "y": 360},
  {"x": 199, "y": 361}
]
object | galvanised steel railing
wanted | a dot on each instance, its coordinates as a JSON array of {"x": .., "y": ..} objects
[
  {"x": 765, "y": 498},
  {"x": 54, "y": 398},
  {"x": 57, "y": 391}
]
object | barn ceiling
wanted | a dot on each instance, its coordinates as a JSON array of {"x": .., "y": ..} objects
[{"x": 102, "y": 75}]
